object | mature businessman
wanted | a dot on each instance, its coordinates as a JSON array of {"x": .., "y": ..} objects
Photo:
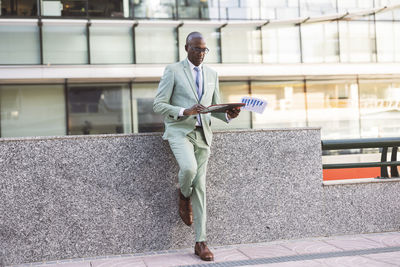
[{"x": 185, "y": 89}]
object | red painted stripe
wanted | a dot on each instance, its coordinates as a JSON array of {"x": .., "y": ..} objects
[{"x": 355, "y": 173}]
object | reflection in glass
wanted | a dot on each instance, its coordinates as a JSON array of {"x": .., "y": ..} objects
[
  {"x": 155, "y": 44},
  {"x": 320, "y": 42},
  {"x": 354, "y": 5},
  {"x": 32, "y": 110},
  {"x": 99, "y": 109},
  {"x": 19, "y": 44},
  {"x": 111, "y": 44},
  {"x": 232, "y": 92},
  {"x": 20, "y": 8},
  {"x": 357, "y": 41},
  {"x": 388, "y": 41},
  {"x": 317, "y": 7},
  {"x": 211, "y": 36},
  {"x": 333, "y": 105},
  {"x": 64, "y": 44},
  {"x": 161, "y": 9},
  {"x": 393, "y": 14},
  {"x": 108, "y": 8},
  {"x": 241, "y": 45},
  {"x": 66, "y": 8},
  {"x": 380, "y": 108},
  {"x": 144, "y": 118},
  {"x": 286, "y": 104},
  {"x": 281, "y": 44},
  {"x": 243, "y": 9}
]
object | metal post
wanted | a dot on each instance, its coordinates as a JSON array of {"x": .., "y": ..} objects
[
  {"x": 393, "y": 169},
  {"x": 134, "y": 41},
  {"x": 88, "y": 40},
  {"x": 177, "y": 40},
  {"x": 130, "y": 101},
  {"x": 40, "y": 25},
  {"x": 384, "y": 171},
  {"x": 220, "y": 41},
  {"x": 305, "y": 100},
  {"x": 66, "y": 98}
]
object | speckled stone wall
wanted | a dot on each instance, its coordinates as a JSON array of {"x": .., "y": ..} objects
[{"x": 83, "y": 196}]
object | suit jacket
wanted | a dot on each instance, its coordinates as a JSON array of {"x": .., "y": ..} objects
[{"x": 177, "y": 90}]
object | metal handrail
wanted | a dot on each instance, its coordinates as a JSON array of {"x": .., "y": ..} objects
[{"x": 383, "y": 143}]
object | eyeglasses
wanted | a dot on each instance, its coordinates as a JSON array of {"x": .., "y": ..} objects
[{"x": 200, "y": 50}]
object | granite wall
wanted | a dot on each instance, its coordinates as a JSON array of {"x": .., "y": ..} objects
[{"x": 83, "y": 196}]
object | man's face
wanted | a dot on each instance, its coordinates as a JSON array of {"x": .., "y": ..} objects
[{"x": 196, "y": 57}]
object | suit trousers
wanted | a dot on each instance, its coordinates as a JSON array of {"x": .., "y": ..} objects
[{"x": 192, "y": 153}]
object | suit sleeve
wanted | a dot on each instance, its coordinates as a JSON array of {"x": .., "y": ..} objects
[
  {"x": 161, "y": 104},
  {"x": 216, "y": 100}
]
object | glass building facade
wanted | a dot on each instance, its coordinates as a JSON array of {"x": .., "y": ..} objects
[{"x": 39, "y": 34}]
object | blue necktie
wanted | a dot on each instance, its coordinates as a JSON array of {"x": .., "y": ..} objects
[{"x": 198, "y": 86}]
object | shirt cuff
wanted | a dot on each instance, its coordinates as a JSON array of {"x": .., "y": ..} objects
[
  {"x": 181, "y": 112},
  {"x": 227, "y": 118}
]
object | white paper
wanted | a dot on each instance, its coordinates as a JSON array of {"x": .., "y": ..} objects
[{"x": 254, "y": 104}]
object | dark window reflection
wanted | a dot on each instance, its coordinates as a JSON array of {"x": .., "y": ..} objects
[
  {"x": 99, "y": 109},
  {"x": 194, "y": 9},
  {"x": 22, "y": 8},
  {"x": 164, "y": 9},
  {"x": 148, "y": 120}
]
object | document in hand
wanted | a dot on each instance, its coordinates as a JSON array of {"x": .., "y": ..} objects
[
  {"x": 222, "y": 107},
  {"x": 254, "y": 104}
]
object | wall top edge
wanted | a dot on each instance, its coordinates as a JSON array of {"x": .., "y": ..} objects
[{"x": 100, "y": 136}]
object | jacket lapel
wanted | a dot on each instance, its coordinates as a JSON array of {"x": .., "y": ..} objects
[
  {"x": 189, "y": 76},
  {"x": 205, "y": 84}
]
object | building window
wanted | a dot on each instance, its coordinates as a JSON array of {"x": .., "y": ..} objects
[
  {"x": 333, "y": 105},
  {"x": 144, "y": 118},
  {"x": 198, "y": 9},
  {"x": 380, "y": 108},
  {"x": 286, "y": 104},
  {"x": 32, "y": 110},
  {"x": 20, "y": 8},
  {"x": 211, "y": 36},
  {"x": 156, "y": 9},
  {"x": 317, "y": 7},
  {"x": 111, "y": 44},
  {"x": 279, "y": 9},
  {"x": 241, "y": 45},
  {"x": 320, "y": 42},
  {"x": 19, "y": 44},
  {"x": 232, "y": 92},
  {"x": 64, "y": 44},
  {"x": 99, "y": 109},
  {"x": 281, "y": 44},
  {"x": 155, "y": 44}
]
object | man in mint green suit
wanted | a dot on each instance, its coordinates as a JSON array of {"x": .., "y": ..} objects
[{"x": 186, "y": 88}]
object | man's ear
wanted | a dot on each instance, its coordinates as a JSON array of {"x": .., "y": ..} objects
[{"x": 186, "y": 47}]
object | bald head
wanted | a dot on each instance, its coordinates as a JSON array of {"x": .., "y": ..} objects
[{"x": 193, "y": 35}]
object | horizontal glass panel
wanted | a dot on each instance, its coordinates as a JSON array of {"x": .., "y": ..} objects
[
  {"x": 333, "y": 105},
  {"x": 99, "y": 109},
  {"x": 380, "y": 108},
  {"x": 211, "y": 36},
  {"x": 387, "y": 15},
  {"x": 279, "y": 9},
  {"x": 32, "y": 110},
  {"x": 113, "y": 9},
  {"x": 144, "y": 118},
  {"x": 64, "y": 45},
  {"x": 320, "y": 42},
  {"x": 241, "y": 45},
  {"x": 232, "y": 92},
  {"x": 111, "y": 44},
  {"x": 285, "y": 104},
  {"x": 19, "y": 44},
  {"x": 198, "y": 9},
  {"x": 281, "y": 44},
  {"x": 20, "y": 8}
]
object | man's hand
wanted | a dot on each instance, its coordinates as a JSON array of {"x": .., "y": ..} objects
[
  {"x": 233, "y": 113},
  {"x": 195, "y": 109}
]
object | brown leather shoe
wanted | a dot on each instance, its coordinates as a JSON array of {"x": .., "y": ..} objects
[
  {"x": 185, "y": 209},
  {"x": 201, "y": 250}
]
